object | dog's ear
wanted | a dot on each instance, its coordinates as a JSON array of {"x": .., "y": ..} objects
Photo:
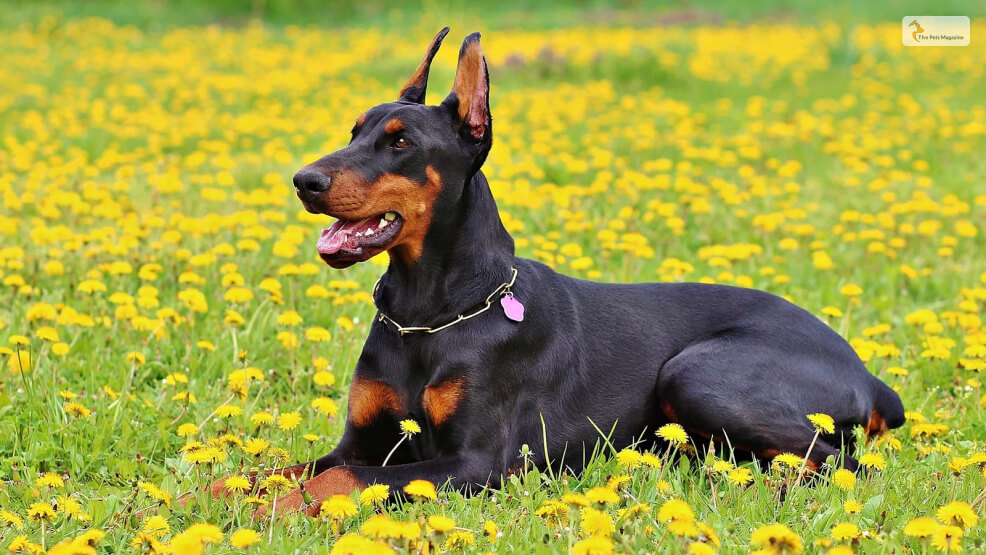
[
  {"x": 471, "y": 91},
  {"x": 414, "y": 90}
]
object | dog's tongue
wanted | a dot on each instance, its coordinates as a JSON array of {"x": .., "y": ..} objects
[{"x": 332, "y": 240}]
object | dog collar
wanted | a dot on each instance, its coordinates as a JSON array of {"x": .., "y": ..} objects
[{"x": 511, "y": 307}]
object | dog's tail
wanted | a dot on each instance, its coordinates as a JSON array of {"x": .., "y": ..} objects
[{"x": 888, "y": 410}]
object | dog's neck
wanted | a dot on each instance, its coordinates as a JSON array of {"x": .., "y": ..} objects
[{"x": 467, "y": 254}]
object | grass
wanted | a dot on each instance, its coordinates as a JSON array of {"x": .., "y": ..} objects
[{"x": 152, "y": 248}]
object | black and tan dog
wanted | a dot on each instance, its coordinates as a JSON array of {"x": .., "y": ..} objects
[{"x": 499, "y": 343}]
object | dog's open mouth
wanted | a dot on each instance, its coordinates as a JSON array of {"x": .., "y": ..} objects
[{"x": 349, "y": 241}]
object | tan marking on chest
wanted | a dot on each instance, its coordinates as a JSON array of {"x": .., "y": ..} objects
[
  {"x": 442, "y": 400},
  {"x": 368, "y": 399}
]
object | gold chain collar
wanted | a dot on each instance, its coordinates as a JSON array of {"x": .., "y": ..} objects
[{"x": 503, "y": 289}]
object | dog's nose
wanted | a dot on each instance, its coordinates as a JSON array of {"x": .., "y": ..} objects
[{"x": 312, "y": 181}]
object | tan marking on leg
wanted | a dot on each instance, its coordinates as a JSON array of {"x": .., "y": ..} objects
[
  {"x": 442, "y": 400},
  {"x": 369, "y": 398},
  {"x": 669, "y": 412},
  {"x": 875, "y": 426},
  {"x": 334, "y": 481}
]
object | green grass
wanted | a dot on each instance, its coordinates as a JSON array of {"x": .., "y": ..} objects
[{"x": 100, "y": 122}]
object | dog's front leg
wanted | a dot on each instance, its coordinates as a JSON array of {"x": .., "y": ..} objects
[
  {"x": 298, "y": 472},
  {"x": 460, "y": 471}
]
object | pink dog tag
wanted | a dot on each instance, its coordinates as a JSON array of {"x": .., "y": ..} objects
[{"x": 512, "y": 307}]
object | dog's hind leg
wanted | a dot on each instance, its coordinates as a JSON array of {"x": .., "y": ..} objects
[{"x": 731, "y": 391}]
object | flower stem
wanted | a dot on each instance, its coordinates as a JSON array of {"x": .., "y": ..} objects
[
  {"x": 804, "y": 461},
  {"x": 398, "y": 444}
]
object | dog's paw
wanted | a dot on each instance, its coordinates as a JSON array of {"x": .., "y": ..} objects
[{"x": 294, "y": 502}]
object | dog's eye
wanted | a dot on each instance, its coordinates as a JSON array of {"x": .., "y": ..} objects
[{"x": 401, "y": 142}]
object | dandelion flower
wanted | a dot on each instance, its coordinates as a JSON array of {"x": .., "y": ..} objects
[
  {"x": 823, "y": 423},
  {"x": 375, "y": 494},
  {"x": 421, "y": 488},
  {"x": 789, "y": 460},
  {"x": 921, "y": 527},
  {"x": 776, "y": 538},
  {"x": 593, "y": 545},
  {"x": 156, "y": 526},
  {"x": 844, "y": 479},
  {"x": 276, "y": 483},
  {"x": 596, "y": 522},
  {"x": 41, "y": 512},
  {"x": 262, "y": 418},
  {"x": 10, "y": 517},
  {"x": 602, "y": 495},
  {"x": 288, "y": 421},
  {"x": 244, "y": 538},
  {"x": 873, "y": 461},
  {"x": 673, "y": 434},
  {"x": 629, "y": 459},
  {"x": 338, "y": 507},
  {"x": 410, "y": 427},
  {"x": 49, "y": 480},
  {"x": 490, "y": 530},
  {"x": 958, "y": 513},
  {"x": 947, "y": 538},
  {"x": 237, "y": 484},
  {"x": 441, "y": 524},
  {"x": 675, "y": 509},
  {"x": 845, "y": 531}
]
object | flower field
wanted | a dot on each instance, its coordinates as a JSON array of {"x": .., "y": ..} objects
[{"x": 166, "y": 321}]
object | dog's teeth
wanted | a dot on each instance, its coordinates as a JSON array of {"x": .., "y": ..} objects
[
  {"x": 369, "y": 232},
  {"x": 359, "y": 233},
  {"x": 383, "y": 223},
  {"x": 390, "y": 216}
]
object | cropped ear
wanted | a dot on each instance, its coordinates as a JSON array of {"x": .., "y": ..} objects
[
  {"x": 472, "y": 88},
  {"x": 414, "y": 90}
]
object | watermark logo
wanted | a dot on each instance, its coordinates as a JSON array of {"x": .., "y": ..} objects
[{"x": 935, "y": 30}]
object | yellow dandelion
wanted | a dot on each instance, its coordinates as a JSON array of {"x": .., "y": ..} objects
[
  {"x": 776, "y": 538},
  {"x": 422, "y": 489},
  {"x": 593, "y": 545},
  {"x": 338, "y": 507},
  {"x": 441, "y": 524},
  {"x": 675, "y": 509},
  {"x": 596, "y": 522},
  {"x": 845, "y": 531},
  {"x": 602, "y": 495},
  {"x": 244, "y": 538},
  {"x": 375, "y": 494},
  {"x": 410, "y": 427},
  {"x": 921, "y": 527},
  {"x": 873, "y": 461},
  {"x": 844, "y": 479},
  {"x": 947, "y": 538},
  {"x": 823, "y": 423},
  {"x": 958, "y": 513},
  {"x": 288, "y": 421},
  {"x": 673, "y": 434}
]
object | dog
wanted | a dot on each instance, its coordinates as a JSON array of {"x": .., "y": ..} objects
[{"x": 489, "y": 352}]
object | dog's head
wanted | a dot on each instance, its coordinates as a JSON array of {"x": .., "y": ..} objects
[{"x": 405, "y": 164}]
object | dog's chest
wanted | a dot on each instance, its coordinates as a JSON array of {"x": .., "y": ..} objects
[{"x": 433, "y": 402}]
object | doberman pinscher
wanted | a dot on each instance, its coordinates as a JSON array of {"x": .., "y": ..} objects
[{"x": 483, "y": 348}]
